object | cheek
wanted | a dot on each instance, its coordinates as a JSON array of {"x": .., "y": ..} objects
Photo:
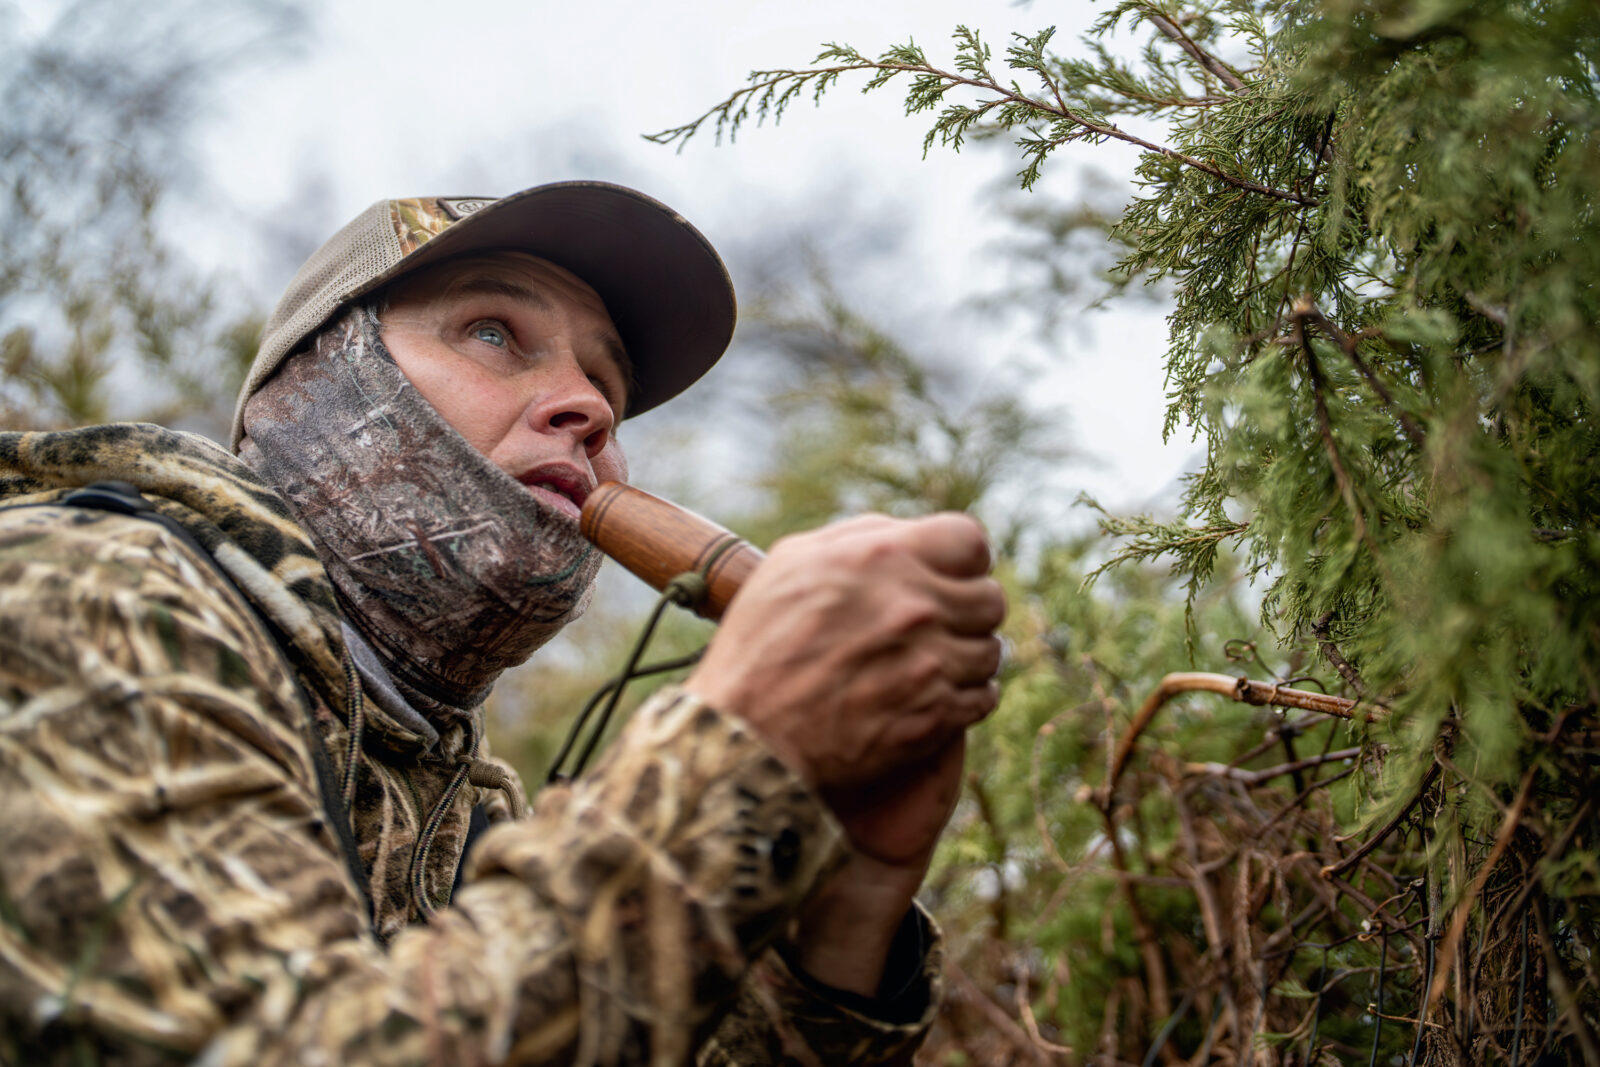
[
  {"x": 611, "y": 465},
  {"x": 464, "y": 397}
]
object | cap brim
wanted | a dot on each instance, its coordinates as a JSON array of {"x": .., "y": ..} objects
[{"x": 664, "y": 285}]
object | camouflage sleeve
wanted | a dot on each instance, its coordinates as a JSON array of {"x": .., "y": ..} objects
[
  {"x": 170, "y": 891},
  {"x": 783, "y": 1016}
]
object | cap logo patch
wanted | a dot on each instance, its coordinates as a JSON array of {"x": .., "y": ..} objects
[{"x": 459, "y": 209}]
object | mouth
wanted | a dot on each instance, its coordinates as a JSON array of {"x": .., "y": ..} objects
[{"x": 560, "y": 486}]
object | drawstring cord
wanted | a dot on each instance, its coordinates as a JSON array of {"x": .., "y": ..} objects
[
  {"x": 491, "y": 774},
  {"x": 483, "y": 773},
  {"x": 419, "y": 858},
  {"x": 687, "y": 590},
  {"x": 355, "y": 698}
]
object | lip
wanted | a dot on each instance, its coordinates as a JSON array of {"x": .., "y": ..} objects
[{"x": 572, "y": 486}]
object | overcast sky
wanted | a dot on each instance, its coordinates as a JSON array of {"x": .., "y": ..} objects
[{"x": 483, "y": 97}]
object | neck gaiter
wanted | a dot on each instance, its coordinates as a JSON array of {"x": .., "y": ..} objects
[{"x": 450, "y": 568}]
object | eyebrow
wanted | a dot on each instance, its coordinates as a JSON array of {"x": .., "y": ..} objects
[{"x": 499, "y": 287}]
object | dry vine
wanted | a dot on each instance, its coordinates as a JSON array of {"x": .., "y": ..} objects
[{"x": 1279, "y": 895}]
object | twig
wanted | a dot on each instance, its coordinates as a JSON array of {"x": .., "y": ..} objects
[
  {"x": 1025, "y": 1009},
  {"x": 1274, "y": 737},
  {"x": 1379, "y": 912},
  {"x": 1210, "y": 910},
  {"x": 1324, "y": 420},
  {"x": 1556, "y": 975},
  {"x": 996, "y": 1015},
  {"x": 1335, "y": 869},
  {"x": 1304, "y": 794},
  {"x": 1149, "y": 947},
  {"x": 1266, "y": 774},
  {"x": 771, "y": 79},
  {"x": 1351, "y": 347},
  {"x": 1324, "y": 635},
  {"x": 1241, "y": 689},
  {"x": 1201, "y": 56}
]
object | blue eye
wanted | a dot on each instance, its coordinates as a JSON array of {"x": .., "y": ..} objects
[{"x": 490, "y": 335}]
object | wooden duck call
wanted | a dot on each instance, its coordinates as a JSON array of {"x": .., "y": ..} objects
[{"x": 657, "y": 540}]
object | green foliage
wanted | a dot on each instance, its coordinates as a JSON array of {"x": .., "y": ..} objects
[{"x": 1376, "y": 221}]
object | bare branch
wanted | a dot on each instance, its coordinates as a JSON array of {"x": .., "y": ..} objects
[
  {"x": 1208, "y": 61},
  {"x": 1239, "y": 774},
  {"x": 1241, "y": 689},
  {"x": 1333, "y": 870},
  {"x": 1331, "y": 653}
]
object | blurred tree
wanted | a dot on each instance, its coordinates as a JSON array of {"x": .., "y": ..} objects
[
  {"x": 102, "y": 313},
  {"x": 1377, "y": 217}
]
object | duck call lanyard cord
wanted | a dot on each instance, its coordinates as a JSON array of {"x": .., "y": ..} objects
[{"x": 687, "y": 590}]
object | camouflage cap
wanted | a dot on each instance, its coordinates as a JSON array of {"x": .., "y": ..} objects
[{"x": 665, "y": 286}]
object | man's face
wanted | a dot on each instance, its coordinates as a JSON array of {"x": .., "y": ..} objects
[{"x": 521, "y": 358}]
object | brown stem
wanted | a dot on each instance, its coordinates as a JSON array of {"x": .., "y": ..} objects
[
  {"x": 1266, "y": 774},
  {"x": 1305, "y": 794},
  {"x": 1210, "y": 911},
  {"x": 1557, "y": 977},
  {"x": 1382, "y": 914},
  {"x": 1376, "y": 839},
  {"x": 1025, "y": 1009},
  {"x": 1149, "y": 947},
  {"x": 997, "y": 1016},
  {"x": 1240, "y": 689},
  {"x": 1324, "y": 421},
  {"x": 1274, "y": 738},
  {"x": 1206, "y": 60},
  {"x": 1324, "y": 635}
]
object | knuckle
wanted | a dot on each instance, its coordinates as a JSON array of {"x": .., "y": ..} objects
[
  {"x": 994, "y": 655},
  {"x": 910, "y": 614},
  {"x": 924, "y": 668},
  {"x": 995, "y": 602},
  {"x": 982, "y": 700}
]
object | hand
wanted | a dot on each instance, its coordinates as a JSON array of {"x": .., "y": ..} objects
[{"x": 860, "y": 648}]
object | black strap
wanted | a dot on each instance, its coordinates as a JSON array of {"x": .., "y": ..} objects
[{"x": 124, "y": 498}]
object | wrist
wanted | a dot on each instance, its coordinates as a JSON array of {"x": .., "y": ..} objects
[{"x": 847, "y": 927}]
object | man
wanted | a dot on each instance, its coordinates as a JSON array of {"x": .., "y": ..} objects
[{"x": 241, "y": 738}]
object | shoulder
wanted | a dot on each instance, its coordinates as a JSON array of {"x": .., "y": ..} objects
[
  {"x": 90, "y": 597},
  {"x": 103, "y": 582}
]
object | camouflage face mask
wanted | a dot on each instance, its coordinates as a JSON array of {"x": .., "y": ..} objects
[{"x": 450, "y": 568}]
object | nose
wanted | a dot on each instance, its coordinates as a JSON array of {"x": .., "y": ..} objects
[{"x": 566, "y": 403}]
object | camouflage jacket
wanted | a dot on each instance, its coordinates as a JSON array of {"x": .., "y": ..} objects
[{"x": 215, "y": 849}]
